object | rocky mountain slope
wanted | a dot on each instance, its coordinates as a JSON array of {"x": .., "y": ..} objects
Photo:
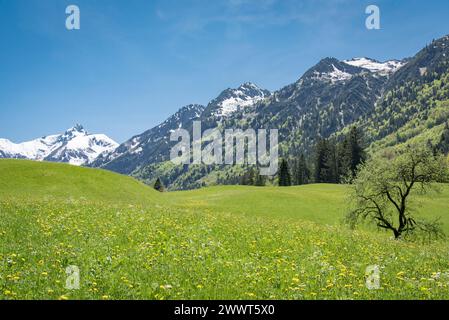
[{"x": 152, "y": 146}]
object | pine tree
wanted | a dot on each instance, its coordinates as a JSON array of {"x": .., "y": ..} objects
[
  {"x": 321, "y": 161},
  {"x": 331, "y": 172},
  {"x": 350, "y": 154},
  {"x": 301, "y": 173},
  {"x": 344, "y": 159},
  {"x": 158, "y": 185},
  {"x": 285, "y": 179},
  {"x": 356, "y": 149}
]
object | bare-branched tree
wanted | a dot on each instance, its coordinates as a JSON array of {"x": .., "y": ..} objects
[{"x": 385, "y": 185}]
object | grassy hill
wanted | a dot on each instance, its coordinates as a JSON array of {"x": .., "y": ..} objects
[
  {"x": 46, "y": 181},
  {"x": 130, "y": 242}
]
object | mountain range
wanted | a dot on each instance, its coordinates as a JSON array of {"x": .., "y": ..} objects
[
  {"x": 75, "y": 146},
  {"x": 392, "y": 102}
]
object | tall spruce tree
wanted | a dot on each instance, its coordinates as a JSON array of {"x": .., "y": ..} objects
[
  {"x": 351, "y": 154},
  {"x": 285, "y": 179},
  {"x": 321, "y": 161},
  {"x": 331, "y": 172},
  {"x": 301, "y": 173},
  {"x": 356, "y": 150}
]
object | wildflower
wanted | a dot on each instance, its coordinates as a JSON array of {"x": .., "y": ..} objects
[
  {"x": 436, "y": 275},
  {"x": 166, "y": 287}
]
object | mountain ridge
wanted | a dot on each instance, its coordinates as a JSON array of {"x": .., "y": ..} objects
[
  {"x": 75, "y": 146},
  {"x": 355, "y": 88}
]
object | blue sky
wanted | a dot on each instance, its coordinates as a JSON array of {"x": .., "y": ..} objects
[{"x": 133, "y": 63}]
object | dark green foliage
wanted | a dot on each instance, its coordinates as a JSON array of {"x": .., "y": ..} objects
[
  {"x": 326, "y": 162},
  {"x": 321, "y": 161},
  {"x": 260, "y": 180},
  {"x": 443, "y": 145},
  {"x": 159, "y": 186},
  {"x": 248, "y": 178},
  {"x": 332, "y": 174},
  {"x": 301, "y": 172},
  {"x": 285, "y": 179},
  {"x": 351, "y": 154},
  {"x": 252, "y": 177},
  {"x": 335, "y": 162}
]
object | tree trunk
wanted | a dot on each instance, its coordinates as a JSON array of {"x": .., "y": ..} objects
[{"x": 397, "y": 234}]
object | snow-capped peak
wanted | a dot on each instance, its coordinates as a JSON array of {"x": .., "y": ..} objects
[
  {"x": 74, "y": 146},
  {"x": 244, "y": 96},
  {"x": 383, "y": 68}
]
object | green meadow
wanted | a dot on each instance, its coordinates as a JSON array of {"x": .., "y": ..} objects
[{"x": 233, "y": 242}]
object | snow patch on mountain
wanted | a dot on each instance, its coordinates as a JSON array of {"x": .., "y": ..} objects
[
  {"x": 248, "y": 94},
  {"x": 338, "y": 75},
  {"x": 333, "y": 76},
  {"x": 75, "y": 146},
  {"x": 383, "y": 68}
]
